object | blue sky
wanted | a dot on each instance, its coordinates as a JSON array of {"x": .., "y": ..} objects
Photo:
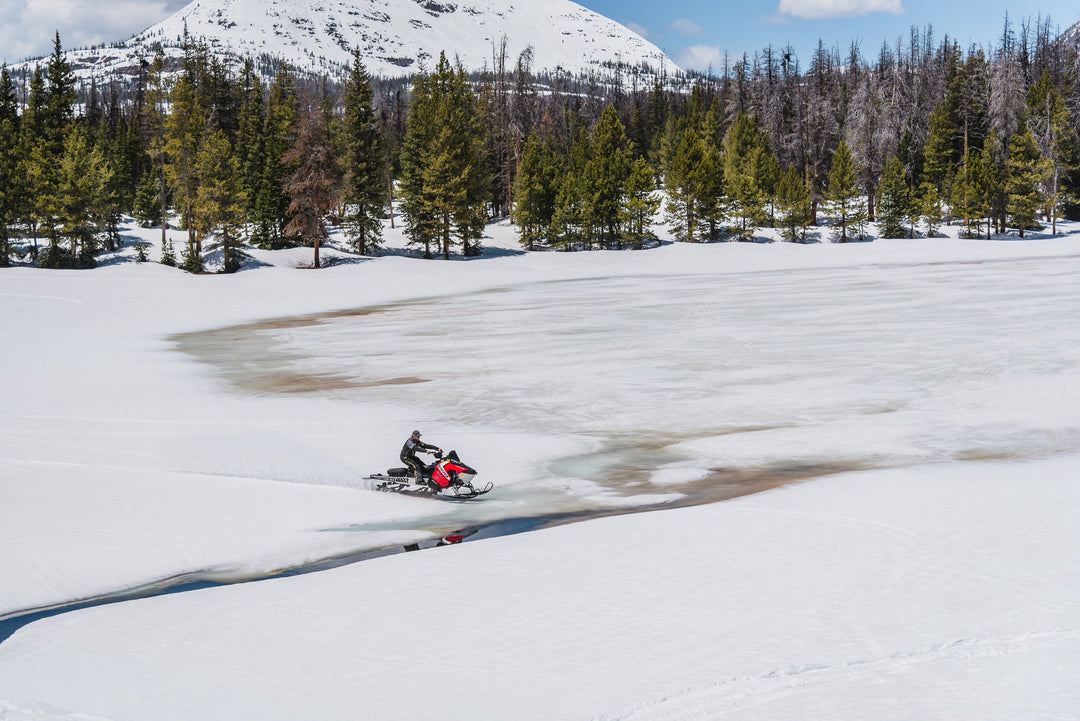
[{"x": 695, "y": 33}]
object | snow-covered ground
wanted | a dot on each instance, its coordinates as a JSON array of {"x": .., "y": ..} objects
[{"x": 159, "y": 427}]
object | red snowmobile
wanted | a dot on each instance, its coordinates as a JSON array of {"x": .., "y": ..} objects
[{"x": 447, "y": 477}]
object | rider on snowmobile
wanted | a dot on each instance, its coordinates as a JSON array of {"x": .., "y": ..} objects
[{"x": 408, "y": 455}]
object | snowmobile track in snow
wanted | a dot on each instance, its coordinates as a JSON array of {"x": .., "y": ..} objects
[{"x": 738, "y": 694}]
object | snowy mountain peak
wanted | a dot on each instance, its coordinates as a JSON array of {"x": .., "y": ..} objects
[{"x": 394, "y": 37}]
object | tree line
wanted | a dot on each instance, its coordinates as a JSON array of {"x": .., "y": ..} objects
[{"x": 924, "y": 134}]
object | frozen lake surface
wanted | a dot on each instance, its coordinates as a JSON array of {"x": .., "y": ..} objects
[{"x": 706, "y": 386}]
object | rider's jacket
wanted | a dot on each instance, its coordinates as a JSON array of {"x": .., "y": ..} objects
[{"x": 412, "y": 446}]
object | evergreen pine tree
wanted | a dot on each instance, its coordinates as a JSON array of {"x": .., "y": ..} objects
[
  {"x": 939, "y": 160},
  {"x": 59, "y": 106},
  {"x": 153, "y": 115},
  {"x": 35, "y": 190},
  {"x": 793, "y": 204},
  {"x": 183, "y": 131},
  {"x": 536, "y": 188},
  {"x": 967, "y": 199},
  {"x": 168, "y": 253},
  {"x": 364, "y": 195},
  {"x": 109, "y": 209},
  {"x": 1025, "y": 171},
  {"x": 251, "y": 141},
  {"x": 445, "y": 181},
  {"x": 271, "y": 203},
  {"x": 750, "y": 173},
  {"x": 9, "y": 167},
  {"x": 219, "y": 200},
  {"x": 605, "y": 176},
  {"x": 9, "y": 163},
  {"x": 9, "y": 99},
  {"x": 1054, "y": 135},
  {"x": 640, "y": 204},
  {"x": 690, "y": 186},
  {"x": 846, "y": 205},
  {"x": 930, "y": 208},
  {"x": 32, "y": 123},
  {"x": 147, "y": 207},
  {"x": 894, "y": 200},
  {"x": 568, "y": 219},
  {"x": 84, "y": 176}
]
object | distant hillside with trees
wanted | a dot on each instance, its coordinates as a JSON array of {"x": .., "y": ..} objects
[{"x": 922, "y": 133}]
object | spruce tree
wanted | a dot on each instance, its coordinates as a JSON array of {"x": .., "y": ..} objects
[
  {"x": 793, "y": 204},
  {"x": 153, "y": 113},
  {"x": 363, "y": 163},
  {"x": 1025, "y": 171},
  {"x": 59, "y": 106},
  {"x": 9, "y": 99},
  {"x": 568, "y": 229},
  {"x": 183, "y": 130},
  {"x": 930, "y": 208},
  {"x": 168, "y": 254},
  {"x": 147, "y": 206},
  {"x": 894, "y": 200},
  {"x": 685, "y": 182},
  {"x": 251, "y": 141},
  {"x": 32, "y": 123},
  {"x": 84, "y": 177},
  {"x": 846, "y": 204},
  {"x": 445, "y": 181},
  {"x": 9, "y": 167},
  {"x": 271, "y": 203},
  {"x": 967, "y": 199},
  {"x": 750, "y": 173},
  {"x": 35, "y": 191},
  {"x": 536, "y": 186},
  {"x": 219, "y": 200},
  {"x": 939, "y": 153},
  {"x": 9, "y": 163},
  {"x": 640, "y": 204},
  {"x": 606, "y": 174}
]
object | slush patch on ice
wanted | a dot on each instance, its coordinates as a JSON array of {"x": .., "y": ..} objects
[{"x": 676, "y": 474}]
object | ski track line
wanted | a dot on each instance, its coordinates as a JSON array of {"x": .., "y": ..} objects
[
  {"x": 18, "y": 710},
  {"x": 41, "y": 297},
  {"x": 209, "y": 474},
  {"x": 726, "y": 697}
]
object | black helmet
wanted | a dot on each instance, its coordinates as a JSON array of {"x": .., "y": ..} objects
[{"x": 416, "y": 433}]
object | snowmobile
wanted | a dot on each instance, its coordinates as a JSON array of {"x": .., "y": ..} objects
[{"x": 447, "y": 477}]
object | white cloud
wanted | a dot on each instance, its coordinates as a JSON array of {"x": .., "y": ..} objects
[
  {"x": 701, "y": 57},
  {"x": 817, "y": 9},
  {"x": 28, "y": 26},
  {"x": 686, "y": 27}
]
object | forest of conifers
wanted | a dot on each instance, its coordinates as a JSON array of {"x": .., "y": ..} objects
[{"x": 922, "y": 133}]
